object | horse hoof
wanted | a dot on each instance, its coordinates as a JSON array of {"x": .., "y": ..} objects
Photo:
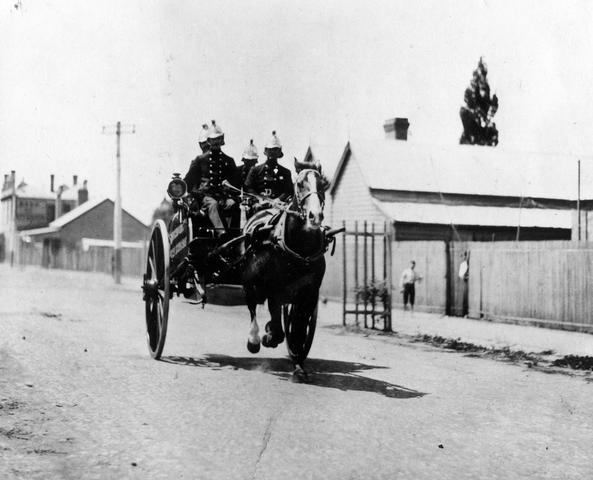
[
  {"x": 268, "y": 341},
  {"x": 300, "y": 375},
  {"x": 253, "y": 347}
]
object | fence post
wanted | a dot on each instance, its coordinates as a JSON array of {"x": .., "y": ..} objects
[
  {"x": 448, "y": 279},
  {"x": 356, "y": 271},
  {"x": 365, "y": 273},
  {"x": 344, "y": 274},
  {"x": 481, "y": 314},
  {"x": 390, "y": 238},
  {"x": 373, "y": 302}
]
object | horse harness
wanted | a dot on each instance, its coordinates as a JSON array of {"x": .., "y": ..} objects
[{"x": 270, "y": 225}]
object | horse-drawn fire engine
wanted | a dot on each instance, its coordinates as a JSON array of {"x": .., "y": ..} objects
[{"x": 276, "y": 256}]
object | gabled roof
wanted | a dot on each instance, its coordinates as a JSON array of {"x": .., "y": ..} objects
[
  {"x": 84, "y": 208},
  {"x": 397, "y": 165},
  {"x": 77, "y": 212},
  {"x": 327, "y": 155},
  {"x": 72, "y": 215}
]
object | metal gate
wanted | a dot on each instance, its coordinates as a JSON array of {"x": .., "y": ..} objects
[{"x": 367, "y": 274}]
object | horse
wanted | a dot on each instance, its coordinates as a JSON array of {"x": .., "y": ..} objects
[{"x": 287, "y": 265}]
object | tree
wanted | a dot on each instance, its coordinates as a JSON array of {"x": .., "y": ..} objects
[
  {"x": 164, "y": 211},
  {"x": 479, "y": 110}
]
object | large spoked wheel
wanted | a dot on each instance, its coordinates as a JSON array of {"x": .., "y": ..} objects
[
  {"x": 299, "y": 332},
  {"x": 156, "y": 289}
]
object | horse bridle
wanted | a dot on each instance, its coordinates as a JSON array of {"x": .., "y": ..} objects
[{"x": 300, "y": 200}]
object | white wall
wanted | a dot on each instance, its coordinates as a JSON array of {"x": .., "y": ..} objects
[{"x": 352, "y": 200}]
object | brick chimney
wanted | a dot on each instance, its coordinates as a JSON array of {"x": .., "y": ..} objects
[
  {"x": 396, "y": 128},
  {"x": 83, "y": 193},
  {"x": 59, "y": 192},
  {"x": 51, "y": 182}
]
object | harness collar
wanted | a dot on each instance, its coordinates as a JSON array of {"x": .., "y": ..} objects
[{"x": 279, "y": 238}]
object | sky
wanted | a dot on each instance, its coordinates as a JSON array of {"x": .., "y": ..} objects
[{"x": 316, "y": 72}]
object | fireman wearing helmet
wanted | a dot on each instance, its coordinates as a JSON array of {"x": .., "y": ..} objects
[
  {"x": 206, "y": 175},
  {"x": 249, "y": 159},
  {"x": 270, "y": 179}
]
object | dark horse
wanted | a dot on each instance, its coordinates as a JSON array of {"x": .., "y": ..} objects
[{"x": 287, "y": 266}]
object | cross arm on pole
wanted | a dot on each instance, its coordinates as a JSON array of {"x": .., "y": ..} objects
[{"x": 115, "y": 129}]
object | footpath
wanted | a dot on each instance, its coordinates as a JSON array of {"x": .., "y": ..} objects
[{"x": 486, "y": 334}]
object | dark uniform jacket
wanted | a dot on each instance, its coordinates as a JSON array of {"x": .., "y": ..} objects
[
  {"x": 208, "y": 171},
  {"x": 269, "y": 179},
  {"x": 241, "y": 175}
]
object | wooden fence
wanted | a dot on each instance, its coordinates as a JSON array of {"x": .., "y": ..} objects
[
  {"x": 548, "y": 283},
  {"x": 431, "y": 263},
  {"x": 95, "y": 259}
]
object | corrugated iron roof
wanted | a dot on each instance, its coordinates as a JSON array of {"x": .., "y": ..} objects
[
  {"x": 73, "y": 214},
  {"x": 77, "y": 212},
  {"x": 398, "y": 165},
  {"x": 474, "y": 215}
]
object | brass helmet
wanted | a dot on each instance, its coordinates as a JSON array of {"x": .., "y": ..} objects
[
  {"x": 250, "y": 152},
  {"x": 274, "y": 147},
  {"x": 216, "y": 132}
]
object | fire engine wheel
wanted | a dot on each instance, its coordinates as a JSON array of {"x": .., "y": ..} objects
[
  {"x": 157, "y": 289},
  {"x": 299, "y": 334}
]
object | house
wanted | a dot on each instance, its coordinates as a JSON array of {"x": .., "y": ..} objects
[
  {"x": 25, "y": 206},
  {"x": 454, "y": 193},
  {"x": 89, "y": 225}
]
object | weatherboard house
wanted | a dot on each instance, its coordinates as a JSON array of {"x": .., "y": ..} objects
[
  {"x": 462, "y": 192},
  {"x": 86, "y": 226}
]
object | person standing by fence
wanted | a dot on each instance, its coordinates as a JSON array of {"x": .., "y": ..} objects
[
  {"x": 464, "y": 277},
  {"x": 407, "y": 283}
]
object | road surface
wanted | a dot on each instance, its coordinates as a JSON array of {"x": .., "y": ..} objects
[{"x": 81, "y": 398}]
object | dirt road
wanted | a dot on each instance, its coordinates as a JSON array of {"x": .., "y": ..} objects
[{"x": 80, "y": 398}]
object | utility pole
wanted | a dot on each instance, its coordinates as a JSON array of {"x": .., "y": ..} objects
[
  {"x": 13, "y": 224},
  {"x": 579, "y": 199},
  {"x": 116, "y": 264}
]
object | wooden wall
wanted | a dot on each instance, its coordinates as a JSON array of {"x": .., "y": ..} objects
[
  {"x": 352, "y": 199},
  {"x": 431, "y": 264},
  {"x": 547, "y": 283},
  {"x": 551, "y": 282},
  {"x": 96, "y": 259}
]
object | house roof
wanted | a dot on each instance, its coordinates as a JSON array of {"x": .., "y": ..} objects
[
  {"x": 82, "y": 209},
  {"x": 327, "y": 155},
  {"x": 397, "y": 165},
  {"x": 475, "y": 215},
  {"x": 73, "y": 214},
  {"x": 39, "y": 231},
  {"x": 76, "y": 212}
]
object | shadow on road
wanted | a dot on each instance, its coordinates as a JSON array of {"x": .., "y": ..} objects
[{"x": 322, "y": 373}]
